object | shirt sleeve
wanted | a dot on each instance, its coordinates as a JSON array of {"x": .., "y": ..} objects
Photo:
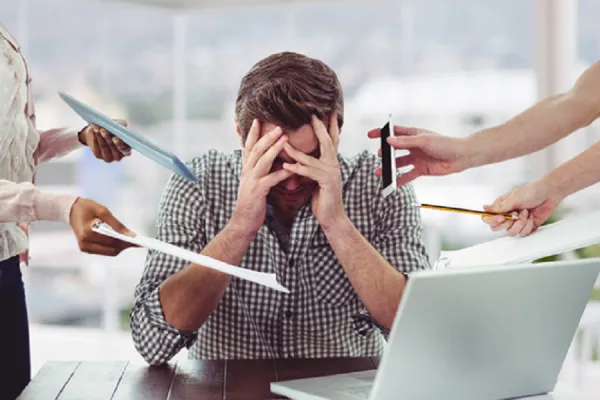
[
  {"x": 23, "y": 202},
  {"x": 57, "y": 143},
  {"x": 181, "y": 211}
]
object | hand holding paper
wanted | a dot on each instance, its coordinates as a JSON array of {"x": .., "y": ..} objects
[{"x": 262, "y": 278}]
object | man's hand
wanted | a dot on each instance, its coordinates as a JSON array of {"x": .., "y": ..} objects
[
  {"x": 84, "y": 214},
  {"x": 430, "y": 154},
  {"x": 104, "y": 145},
  {"x": 256, "y": 179},
  {"x": 327, "y": 202},
  {"x": 532, "y": 203}
]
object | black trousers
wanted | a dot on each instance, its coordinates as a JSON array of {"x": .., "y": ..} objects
[{"x": 15, "y": 368}]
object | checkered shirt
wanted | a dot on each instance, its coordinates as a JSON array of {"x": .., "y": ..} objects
[{"x": 322, "y": 316}]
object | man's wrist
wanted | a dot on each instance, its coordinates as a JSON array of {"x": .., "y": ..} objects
[
  {"x": 236, "y": 230},
  {"x": 340, "y": 227}
]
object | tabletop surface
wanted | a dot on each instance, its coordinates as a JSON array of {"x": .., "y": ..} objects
[{"x": 184, "y": 379}]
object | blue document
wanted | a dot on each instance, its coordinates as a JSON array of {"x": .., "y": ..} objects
[{"x": 134, "y": 140}]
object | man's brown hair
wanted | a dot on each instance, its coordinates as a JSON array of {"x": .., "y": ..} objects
[{"x": 286, "y": 89}]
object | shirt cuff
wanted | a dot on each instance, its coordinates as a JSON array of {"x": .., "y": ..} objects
[
  {"x": 53, "y": 207},
  {"x": 157, "y": 318}
]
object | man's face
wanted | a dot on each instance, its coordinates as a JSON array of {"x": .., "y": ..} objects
[{"x": 294, "y": 192}]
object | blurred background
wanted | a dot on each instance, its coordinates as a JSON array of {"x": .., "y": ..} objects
[{"x": 172, "y": 69}]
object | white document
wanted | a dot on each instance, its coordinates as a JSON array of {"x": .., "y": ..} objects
[
  {"x": 262, "y": 278},
  {"x": 559, "y": 237}
]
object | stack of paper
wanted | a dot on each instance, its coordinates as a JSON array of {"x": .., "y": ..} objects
[{"x": 562, "y": 236}]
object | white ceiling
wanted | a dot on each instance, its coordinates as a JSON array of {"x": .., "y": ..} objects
[{"x": 199, "y": 4}]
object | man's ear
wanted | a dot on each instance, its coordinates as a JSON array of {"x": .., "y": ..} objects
[{"x": 237, "y": 127}]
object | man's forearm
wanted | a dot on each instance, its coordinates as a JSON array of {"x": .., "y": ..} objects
[
  {"x": 192, "y": 294},
  {"x": 540, "y": 125},
  {"x": 377, "y": 283},
  {"x": 574, "y": 175}
]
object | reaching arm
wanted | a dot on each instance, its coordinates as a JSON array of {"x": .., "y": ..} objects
[
  {"x": 57, "y": 143},
  {"x": 175, "y": 298},
  {"x": 23, "y": 202},
  {"x": 374, "y": 269},
  {"x": 540, "y": 125},
  {"x": 574, "y": 175}
]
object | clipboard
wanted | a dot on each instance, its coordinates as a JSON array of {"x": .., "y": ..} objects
[
  {"x": 262, "y": 278},
  {"x": 131, "y": 138}
]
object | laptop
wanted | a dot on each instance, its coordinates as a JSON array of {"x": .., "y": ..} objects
[{"x": 493, "y": 332}]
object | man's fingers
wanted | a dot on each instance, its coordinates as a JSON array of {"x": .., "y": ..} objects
[
  {"x": 303, "y": 170},
  {"x": 334, "y": 130},
  {"x": 274, "y": 178},
  {"x": 265, "y": 163},
  {"x": 261, "y": 146},
  {"x": 300, "y": 157},
  {"x": 252, "y": 137},
  {"x": 325, "y": 141}
]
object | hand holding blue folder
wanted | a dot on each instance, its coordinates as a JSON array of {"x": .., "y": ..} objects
[{"x": 133, "y": 139}]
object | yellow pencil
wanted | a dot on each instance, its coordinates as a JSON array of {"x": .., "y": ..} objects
[{"x": 464, "y": 211}]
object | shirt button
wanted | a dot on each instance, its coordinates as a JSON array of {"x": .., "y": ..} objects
[
  {"x": 291, "y": 263},
  {"x": 289, "y": 314}
]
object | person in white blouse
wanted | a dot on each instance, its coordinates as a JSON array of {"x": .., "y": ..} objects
[{"x": 23, "y": 147}]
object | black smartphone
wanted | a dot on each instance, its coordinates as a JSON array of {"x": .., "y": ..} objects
[{"x": 388, "y": 159}]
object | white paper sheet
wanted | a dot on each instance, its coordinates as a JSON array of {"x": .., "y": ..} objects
[
  {"x": 261, "y": 278},
  {"x": 559, "y": 237}
]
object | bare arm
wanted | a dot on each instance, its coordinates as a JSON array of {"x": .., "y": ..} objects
[
  {"x": 377, "y": 283},
  {"x": 374, "y": 269},
  {"x": 576, "y": 174},
  {"x": 192, "y": 294},
  {"x": 540, "y": 125}
]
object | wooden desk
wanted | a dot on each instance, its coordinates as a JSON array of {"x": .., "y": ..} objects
[{"x": 187, "y": 379}]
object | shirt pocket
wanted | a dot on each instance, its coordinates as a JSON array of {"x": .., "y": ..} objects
[{"x": 328, "y": 279}]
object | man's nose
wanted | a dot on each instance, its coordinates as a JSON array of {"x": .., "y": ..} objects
[{"x": 292, "y": 183}]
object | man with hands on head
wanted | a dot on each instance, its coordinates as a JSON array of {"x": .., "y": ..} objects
[
  {"x": 534, "y": 129},
  {"x": 287, "y": 204}
]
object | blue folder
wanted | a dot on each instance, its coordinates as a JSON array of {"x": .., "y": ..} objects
[{"x": 134, "y": 140}]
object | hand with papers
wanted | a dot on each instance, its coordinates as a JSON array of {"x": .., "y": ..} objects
[
  {"x": 533, "y": 203},
  {"x": 84, "y": 215}
]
